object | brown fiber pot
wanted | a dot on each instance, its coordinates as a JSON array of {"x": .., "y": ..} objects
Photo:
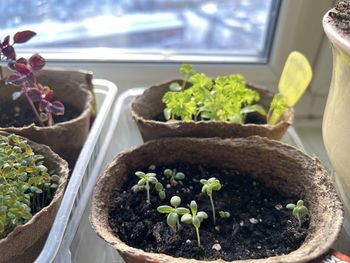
[
  {"x": 25, "y": 242},
  {"x": 66, "y": 138},
  {"x": 292, "y": 173},
  {"x": 148, "y": 105}
]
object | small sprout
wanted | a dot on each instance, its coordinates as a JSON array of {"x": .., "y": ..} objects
[
  {"x": 298, "y": 210},
  {"x": 145, "y": 180},
  {"x": 209, "y": 186},
  {"x": 173, "y": 211},
  {"x": 224, "y": 214},
  {"x": 195, "y": 218},
  {"x": 174, "y": 176}
]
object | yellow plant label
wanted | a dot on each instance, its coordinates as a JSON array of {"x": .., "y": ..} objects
[{"x": 296, "y": 77}]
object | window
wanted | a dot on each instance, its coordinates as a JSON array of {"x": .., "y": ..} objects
[{"x": 233, "y": 30}]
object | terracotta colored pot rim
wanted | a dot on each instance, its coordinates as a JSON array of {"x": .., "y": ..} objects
[{"x": 335, "y": 35}]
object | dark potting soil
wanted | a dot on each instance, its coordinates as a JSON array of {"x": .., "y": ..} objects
[
  {"x": 253, "y": 118},
  {"x": 259, "y": 226},
  {"x": 19, "y": 114},
  {"x": 341, "y": 16}
]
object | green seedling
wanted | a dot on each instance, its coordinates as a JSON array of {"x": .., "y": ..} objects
[
  {"x": 298, "y": 210},
  {"x": 26, "y": 184},
  {"x": 195, "y": 218},
  {"x": 224, "y": 214},
  {"x": 227, "y": 98},
  {"x": 150, "y": 178},
  {"x": 173, "y": 211},
  {"x": 174, "y": 176},
  {"x": 209, "y": 186}
]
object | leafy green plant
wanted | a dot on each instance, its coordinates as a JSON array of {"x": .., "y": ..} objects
[
  {"x": 173, "y": 211},
  {"x": 150, "y": 178},
  {"x": 225, "y": 99},
  {"x": 298, "y": 210},
  {"x": 195, "y": 218},
  {"x": 174, "y": 175},
  {"x": 209, "y": 186},
  {"x": 26, "y": 185},
  {"x": 277, "y": 108},
  {"x": 224, "y": 214}
]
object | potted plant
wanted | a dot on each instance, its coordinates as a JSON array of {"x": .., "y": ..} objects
[
  {"x": 335, "y": 120},
  {"x": 198, "y": 106},
  {"x": 223, "y": 200},
  {"x": 33, "y": 180},
  {"x": 45, "y": 106}
]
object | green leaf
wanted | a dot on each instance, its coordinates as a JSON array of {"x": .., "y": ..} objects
[
  {"x": 165, "y": 209},
  {"x": 162, "y": 195},
  {"x": 175, "y": 201},
  {"x": 172, "y": 219},
  {"x": 159, "y": 187},
  {"x": 202, "y": 215},
  {"x": 187, "y": 70},
  {"x": 168, "y": 172},
  {"x": 186, "y": 218},
  {"x": 152, "y": 180},
  {"x": 277, "y": 109},
  {"x": 140, "y": 174},
  {"x": 141, "y": 182},
  {"x": 300, "y": 203},
  {"x": 196, "y": 221},
  {"x": 182, "y": 210},
  {"x": 290, "y": 206},
  {"x": 167, "y": 113},
  {"x": 253, "y": 108},
  {"x": 175, "y": 87},
  {"x": 180, "y": 176},
  {"x": 193, "y": 207}
]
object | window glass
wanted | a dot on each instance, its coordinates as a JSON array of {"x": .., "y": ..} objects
[{"x": 184, "y": 27}]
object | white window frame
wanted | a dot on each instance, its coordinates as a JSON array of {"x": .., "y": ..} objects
[{"x": 298, "y": 28}]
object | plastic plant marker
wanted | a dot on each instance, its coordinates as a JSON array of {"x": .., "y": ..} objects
[{"x": 296, "y": 77}]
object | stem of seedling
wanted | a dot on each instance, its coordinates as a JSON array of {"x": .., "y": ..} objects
[
  {"x": 34, "y": 109},
  {"x": 212, "y": 208},
  {"x": 148, "y": 195},
  {"x": 198, "y": 236}
]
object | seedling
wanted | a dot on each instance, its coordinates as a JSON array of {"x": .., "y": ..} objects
[
  {"x": 225, "y": 99},
  {"x": 224, "y": 214},
  {"x": 298, "y": 210},
  {"x": 150, "y": 178},
  {"x": 195, "y": 218},
  {"x": 24, "y": 76},
  {"x": 209, "y": 186},
  {"x": 26, "y": 185},
  {"x": 173, "y": 211},
  {"x": 173, "y": 175}
]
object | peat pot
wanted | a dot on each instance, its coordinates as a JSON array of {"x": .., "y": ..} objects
[
  {"x": 274, "y": 164},
  {"x": 68, "y": 137},
  {"x": 147, "y": 106},
  {"x": 25, "y": 242}
]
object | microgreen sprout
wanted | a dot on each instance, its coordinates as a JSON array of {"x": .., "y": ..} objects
[
  {"x": 150, "y": 178},
  {"x": 173, "y": 211},
  {"x": 26, "y": 185},
  {"x": 195, "y": 218},
  {"x": 209, "y": 186},
  {"x": 224, "y": 214},
  {"x": 298, "y": 210},
  {"x": 174, "y": 176}
]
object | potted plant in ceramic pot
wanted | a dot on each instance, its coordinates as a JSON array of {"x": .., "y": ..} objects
[
  {"x": 33, "y": 180},
  {"x": 58, "y": 117},
  {"x": 192, "y": 199},
  {"x": 336, "y": 122},
  {"x": 228, "y": 106}
]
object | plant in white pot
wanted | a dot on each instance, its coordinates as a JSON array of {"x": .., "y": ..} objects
[
  {"x": 249, "y": 182},
  {"x": 29, "y": 107},
  {"x": 336, "y": 121}
]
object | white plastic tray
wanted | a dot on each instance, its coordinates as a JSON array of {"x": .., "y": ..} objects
[
  {"x": 105, "y": 92},
  {"x": 81, "y": 244}
]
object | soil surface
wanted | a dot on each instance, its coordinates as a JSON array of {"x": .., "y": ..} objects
[
  {"x": 19, "y": 114},
  {"x": 251, "y": 118},
  {"x": 341, "y": 16},
  {"x": 259, "y": 226}
]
